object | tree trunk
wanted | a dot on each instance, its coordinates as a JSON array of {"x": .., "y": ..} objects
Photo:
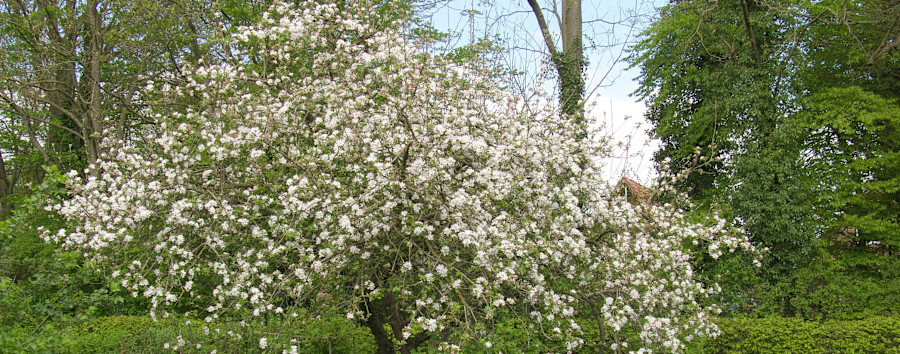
[
  {"x": 60, "y": 90},
  {"x": 376, "y": 322},
  {"x": 569, "y": 62},
  {"x": 6, "y": 187},
  {"x": 386, "y": 311},
  {"x": 92, "y": 119},
  {"x": 570, "y": 65}
]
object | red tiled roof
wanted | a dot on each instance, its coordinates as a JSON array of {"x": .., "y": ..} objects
[{"x": 640, "y": 193}]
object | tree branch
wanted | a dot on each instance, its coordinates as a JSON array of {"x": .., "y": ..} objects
[
  {"x": 536, "y": 9},
  {"x": 27, "y": 123},
  {"x": 750, "y": 32},
  {"x": 22, "y": 112}
]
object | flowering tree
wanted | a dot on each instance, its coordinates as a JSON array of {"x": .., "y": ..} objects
[{"x": 341, "y": 166}]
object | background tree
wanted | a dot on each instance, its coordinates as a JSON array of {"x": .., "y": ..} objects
[
  {"x": 76, "y": 72},
  {"x": 718, "y": 80},
  {"x": 73, "y": 72},
  {"x": 785, "y": 96},
  {"x": 854, "y": 111}
]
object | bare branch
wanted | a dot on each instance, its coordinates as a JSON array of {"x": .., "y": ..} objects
[
  {"x": 22, "y": 112},
  {"x": 548, "y": 39}
]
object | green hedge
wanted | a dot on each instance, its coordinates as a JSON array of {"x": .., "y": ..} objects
[
  {"x": 137, "y": 334},
  {"x": 140, "y": 334},
  {"x": 794, "y": 335}
]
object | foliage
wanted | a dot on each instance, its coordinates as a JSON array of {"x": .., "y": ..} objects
[
  {"x": 702, "y": 76},
  {"x": 715, "y": 78},
  {"x": 823, "y": 289},
  {"x": 827, "y": 290},
  {"x": 24, "y": 340},
  {"x": 142, "y": 334},
  {"x": 39, "y": 282},
  {"x": 22, "y": 249},
  {"x": 44, "y": 289},
  {"x": 517, "y": 335},
  {"x": 347, "y": 171},
  {"x": 857, "y": 153},
  {"x": 797, "y": 103},
  {"x": 333, "y": 333},
  {"x": 774, "y": 201},
  {"x": 794, "y": 335}
]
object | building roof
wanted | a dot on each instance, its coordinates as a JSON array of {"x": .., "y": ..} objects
[{"x": 635, "y": 193}]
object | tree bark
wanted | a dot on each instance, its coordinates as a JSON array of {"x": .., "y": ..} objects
[
  {"x": 569, "y": 62},
  {"x": 385, "y": 310},
  {"x": 60, "y": 91},
  {"x": 751, "y": 34},
  {"x": 92, "y": 119},
  {"x": 376, "y": 322},
  {"x": 571, "y": 65},
  {"x": 6, "y": 187}
]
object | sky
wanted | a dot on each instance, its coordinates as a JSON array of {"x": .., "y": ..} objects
[{"x": 609, "y": 28}]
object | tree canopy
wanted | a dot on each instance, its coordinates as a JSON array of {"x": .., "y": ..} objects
[{"x": 797, "y": 104}]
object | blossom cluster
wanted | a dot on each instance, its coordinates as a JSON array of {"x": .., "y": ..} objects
[{"x": 335, "y": 160}]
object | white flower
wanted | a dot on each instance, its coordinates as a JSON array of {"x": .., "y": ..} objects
[{"x": 442, "y": 270}]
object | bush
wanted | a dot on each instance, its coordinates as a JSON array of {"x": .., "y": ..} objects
[
  {"x": 794, "y": 335},
  {"x": 23, "y": 340},
  {"x": 40, "y": 283},
  {"x": 828, "y": 288},
  {"x": 111, "y": 334},
  {"x": 140, "y": 334}
]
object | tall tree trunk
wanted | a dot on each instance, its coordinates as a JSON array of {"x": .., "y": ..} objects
[
  {"x": 60, "y": 91},
  {"x": 92, "y": 119},
  {"x": 569, "y": 62},
  {"x": 570, "y": 65},
  {"x": 6, "y": 187}
]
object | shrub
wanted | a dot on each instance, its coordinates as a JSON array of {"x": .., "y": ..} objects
[
  {"x": 140, "y": 334},
  {"x": 794, "y": 335}
]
